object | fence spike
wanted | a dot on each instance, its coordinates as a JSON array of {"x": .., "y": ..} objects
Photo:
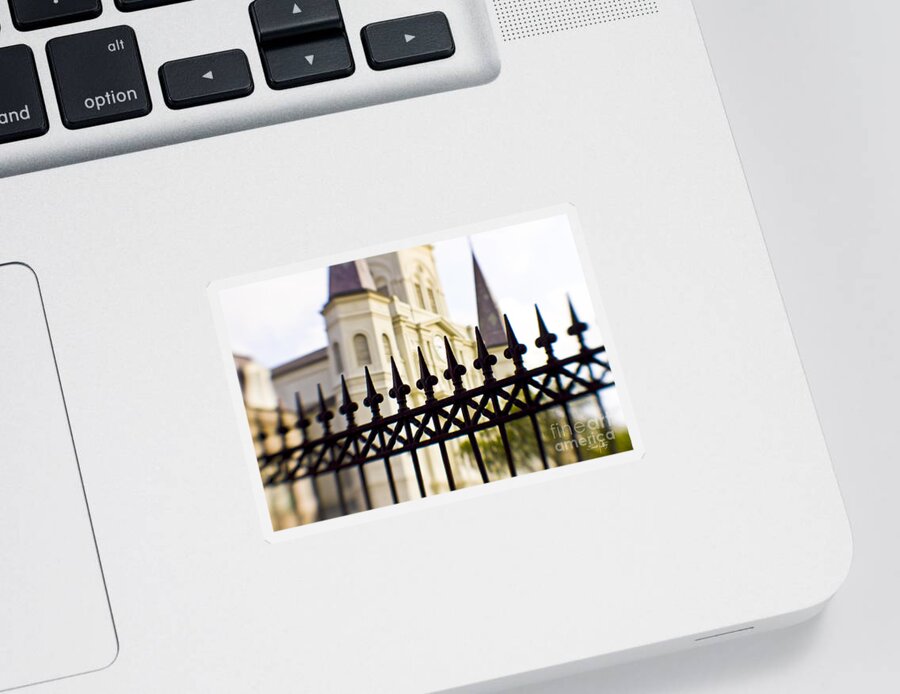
[
  {"x": 373, "y": 398},
  {"x": 485, "y": 359},
  {"x": 578, "y": 327},
  {"x": 454, "y": 371},
  {"x": 325, "y": 415},
  {"x": 348, "y": 407},
  {"x": 514, "y": 349},
  {"x": 302, "y": 422},
  {"x": 545, "y": 338},
  {"x": 427, "y": 381},
  {"x": 400, "y": 390},
  {"x": 282, "y": 428},
  {"x": 261, "y": 434}
]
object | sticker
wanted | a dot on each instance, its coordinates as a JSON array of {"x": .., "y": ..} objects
[{"x": 408, "y": 373}]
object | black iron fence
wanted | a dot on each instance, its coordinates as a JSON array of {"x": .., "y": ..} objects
[{"x": 504, "y": 409}]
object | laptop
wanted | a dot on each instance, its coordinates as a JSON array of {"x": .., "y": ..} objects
[{"x": 397, "y": 346}]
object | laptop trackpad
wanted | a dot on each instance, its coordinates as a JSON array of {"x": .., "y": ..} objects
[{"x": 55, "y": 619}]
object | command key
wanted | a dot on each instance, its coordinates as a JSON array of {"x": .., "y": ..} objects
[{"x": 22, "y": 111}]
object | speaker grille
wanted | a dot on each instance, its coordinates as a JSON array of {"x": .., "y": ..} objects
[{"x": 521, "y": 19}]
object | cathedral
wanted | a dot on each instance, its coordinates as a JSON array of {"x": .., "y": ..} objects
[
  {"x": 389, "y": 306},
  {"x": 383, "y": 307}
]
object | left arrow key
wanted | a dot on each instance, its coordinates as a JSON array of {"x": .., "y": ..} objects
[{"x": 206, "y": 79}]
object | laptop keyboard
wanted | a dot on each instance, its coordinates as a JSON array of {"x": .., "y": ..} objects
[{"x": 102, "y": 76}]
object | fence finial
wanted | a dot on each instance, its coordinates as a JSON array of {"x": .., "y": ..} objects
[
  {"x": 454, "y": 371},
  {"x": 281, "y": 426},
  {"x": 348, "y": 407},
  {"x": 485, "y": 359},
  {"x": 427, "y": 381},
  {"x": 325, "y": 415},
  {"x": 400, "y": 390},
  {"x": 302, "y": 422},
  {"x": 578, "y": 327},
  {"x": 514, "y": 349},
  {"x": 373, "y": 398},
  {"x": 261, "y": 434},
  {"x": 545, "y": 338}
]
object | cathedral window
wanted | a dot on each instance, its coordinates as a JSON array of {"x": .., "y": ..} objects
[
  {"x": 419, "y": 296},
  {"x": 361, "y": 347},
  {"x": 386, "y": 343},
  {"x": 432, "y": 300}
]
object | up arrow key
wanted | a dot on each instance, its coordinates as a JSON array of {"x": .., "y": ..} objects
[
  {"x": 408, "y": 37},
  {"x": 296, "y": 9}
]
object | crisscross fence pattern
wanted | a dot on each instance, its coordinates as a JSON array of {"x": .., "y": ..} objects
[{"x": 289, "y": 453}]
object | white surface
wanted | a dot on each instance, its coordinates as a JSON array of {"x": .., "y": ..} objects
[
  {"x": 810, "y": 90},
  {"x": 731, "y": 517},
  {"x": 54, "y": 616}
]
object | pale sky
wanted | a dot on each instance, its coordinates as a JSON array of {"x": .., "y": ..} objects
[{"x": 279, "y": 319}]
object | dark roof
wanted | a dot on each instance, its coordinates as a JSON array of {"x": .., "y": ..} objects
[
  {"x": 300, "y": 362},
  {"x": 349, "y": 278},
  {"x": 490, "y": 322}
]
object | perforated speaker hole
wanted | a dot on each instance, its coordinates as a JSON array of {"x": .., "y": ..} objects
[{"x": 521, "y": 19}]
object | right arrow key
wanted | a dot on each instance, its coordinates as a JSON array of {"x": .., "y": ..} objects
[{"x": 408, "y": 40}]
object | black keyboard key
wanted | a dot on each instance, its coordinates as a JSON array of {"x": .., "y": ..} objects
[
  {"x": 37, "y": 14},
  {"x": 284, "y": 19},
  {"x": 408, "y": 40},
  {"x": 22, "y": 111},
  {"x": 99, "y": 77},
  {"x": 131, "y": 5},
  {"x": 206, "y": 79},
  {"x": 297, "y": 64}
]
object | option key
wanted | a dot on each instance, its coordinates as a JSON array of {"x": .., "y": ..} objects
[{"x": 99, "y": 77}]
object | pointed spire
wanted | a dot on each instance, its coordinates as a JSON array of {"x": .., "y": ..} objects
[
  {"x": 349, "y": 278},
  {"x": 373, "y": 398},
  {"x": 399, "y": 389},
  {"x": 348, "y": 407},
  {"x": 545, "y": 338},
  {"x": 514, "y": 349},
  {"x": 488, "y": 314},
  {"x": 302, "y": 422},
  {"x": 325, "y": 415},
  {"x": 578, "y": 328},
  {"x": 454, "y": 371},
  {"x": 427, "y": 381},
  {"x": 485, "y": 359}
]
